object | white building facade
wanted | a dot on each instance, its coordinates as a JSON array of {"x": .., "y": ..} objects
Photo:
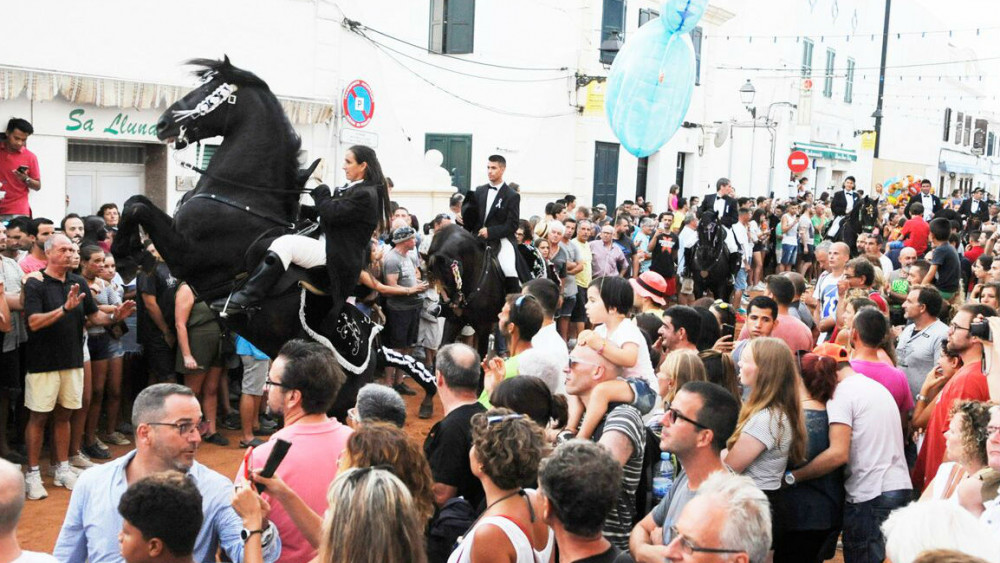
[{"x": 520, "y": 78}]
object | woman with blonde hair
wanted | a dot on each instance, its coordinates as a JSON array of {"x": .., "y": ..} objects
[
  {"x": 965, "y": 452},
  {"x": 372, "y": 518},
  {"x": 506, "y": 450},
  {"x": 679, "y": 367},
  {"x": 770, "y": 432}
]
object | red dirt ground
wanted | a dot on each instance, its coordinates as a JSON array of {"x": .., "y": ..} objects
[{"x": 41, "y": 520}]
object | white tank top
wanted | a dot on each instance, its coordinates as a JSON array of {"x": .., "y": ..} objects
[{"x": 522, "y": 545}]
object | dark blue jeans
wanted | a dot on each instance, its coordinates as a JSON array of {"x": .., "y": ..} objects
[{"x": 863, "y": 539}]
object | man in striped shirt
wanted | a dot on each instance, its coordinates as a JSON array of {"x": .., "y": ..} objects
[{"x": 621, "y": 432}]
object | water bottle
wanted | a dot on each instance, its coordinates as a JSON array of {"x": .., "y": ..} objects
[{"x": 663, "y": 479}]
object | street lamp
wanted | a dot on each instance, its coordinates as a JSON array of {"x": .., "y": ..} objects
[
  {"x": 610, "y": 47},
  {"x": 747, "y": 92}
]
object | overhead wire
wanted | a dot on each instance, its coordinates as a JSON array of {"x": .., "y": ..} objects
[{"x": 454, "y": 95}]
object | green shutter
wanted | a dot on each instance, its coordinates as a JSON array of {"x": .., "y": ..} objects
[
  {"x": 460, "y": 26},
  {"x": 457, "y": 151},
  {"x": 436, "y": 42}
]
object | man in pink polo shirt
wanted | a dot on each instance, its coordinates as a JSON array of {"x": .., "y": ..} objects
[
  {"x": 18, "y": 169},
  {"x": 303, "y": 382}
]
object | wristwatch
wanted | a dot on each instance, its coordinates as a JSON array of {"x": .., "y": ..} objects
[
  {"x": 921, "y": 397},
  {"x": 245, "y": 534},
  {"x": 789, "y": 478}
]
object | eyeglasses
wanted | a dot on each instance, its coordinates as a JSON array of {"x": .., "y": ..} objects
[
  {"x": 673, "y": 415},
  {"x": 498, "y": 418},
  {"x": 574, "y": 361},
  {"x": 690, "y": 548},
  {"x": 184, "y": 428},
  {"x": 269, "y": 381},
  {"x": 956, "y": 326}
]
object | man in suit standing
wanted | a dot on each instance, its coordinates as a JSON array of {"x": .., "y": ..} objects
[
  {"x": 722, "y": 203},
  {"x": 931, "y": 202},
  {"x": 975, "y": 207},
  {"x": 492, "y": 213},
  {"x": 845, "y": 225}
]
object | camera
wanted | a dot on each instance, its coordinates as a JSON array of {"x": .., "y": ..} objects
[{"x": 980, "y": 330}]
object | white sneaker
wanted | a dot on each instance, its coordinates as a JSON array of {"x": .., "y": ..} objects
[
  {"x": 99, "y": 443},
  {"x": 51, "y": 471},
  {"x": 117, "y": 438},
  {"x": 33, "y": 486},
  {"x": 80, "y": 460},
  {"x": 65, "y": 477}
]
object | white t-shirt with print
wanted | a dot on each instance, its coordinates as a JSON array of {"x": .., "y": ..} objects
[{"x": 628, "y": 332}]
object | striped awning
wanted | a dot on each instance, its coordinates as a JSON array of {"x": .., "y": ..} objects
[
  {"x": 815, "y": 150},
  {"x": 45, "y": 85}
]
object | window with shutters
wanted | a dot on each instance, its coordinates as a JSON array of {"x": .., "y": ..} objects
[
  {"x": 645, "y": 14},
  {"x": 947, "y": 124},
  {"x": 612, "y": 24},
  {"x": 828, "y": 78},
  {"x": 990, "y": 139},
  {"x": 452, "y": 26},
  {"x": 959, "y": 124},
  {"x": 807, "y": 58},
  {"x": 967, "y": 132}
]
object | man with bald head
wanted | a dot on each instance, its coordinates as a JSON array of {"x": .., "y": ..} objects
[
  {"x": 11, "y": 505},
  {"x": 621, "y": 431},
  {"x": 447, "y": 445},
  {"x": 826, "y": 293},
  {"x": 56, "y": 309}
]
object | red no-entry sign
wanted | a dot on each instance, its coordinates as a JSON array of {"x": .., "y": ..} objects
[{"x": 798, "y": 162}]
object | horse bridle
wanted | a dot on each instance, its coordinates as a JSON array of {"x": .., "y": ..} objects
[{"x": 456, "y": 274}]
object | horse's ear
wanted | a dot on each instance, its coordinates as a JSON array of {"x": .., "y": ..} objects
[{"x": 225, "y": 61}]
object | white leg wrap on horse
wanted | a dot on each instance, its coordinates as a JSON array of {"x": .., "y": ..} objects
[
  {"x": 506, "y": 257},
  {"x": 299, "y": 250}
]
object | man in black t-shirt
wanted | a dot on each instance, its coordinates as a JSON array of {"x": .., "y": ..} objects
[
  {"x": 56, "y": 308},
  {"x": 448, "y": 443},
  {"x": 946, "y": 268},
  {"x": 155, "y": 325},
  {"x": 579, "y": 484}
]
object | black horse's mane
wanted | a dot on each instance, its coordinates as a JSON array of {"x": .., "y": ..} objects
[
  {"x": 226, "y": 69},
  {"x": 450, "y": 243},
  {"x": 245, "y": 78}
]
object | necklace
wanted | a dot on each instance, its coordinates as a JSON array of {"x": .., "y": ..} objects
[{"x": 503, "y": 498}]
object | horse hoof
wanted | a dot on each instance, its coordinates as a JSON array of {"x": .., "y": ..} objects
[{"x": 426, "y": 410}]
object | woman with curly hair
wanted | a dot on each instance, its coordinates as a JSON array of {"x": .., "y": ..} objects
[
  {"x": 964, "y": 450},
  {"x": 506, "y": 450}
]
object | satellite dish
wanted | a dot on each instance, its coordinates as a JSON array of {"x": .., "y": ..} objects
[{"x": 721, "y": 134}]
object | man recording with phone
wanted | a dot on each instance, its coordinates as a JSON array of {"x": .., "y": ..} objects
[
  {"x": 968, "y": 383},
  {"x": 18, "y": 169}
]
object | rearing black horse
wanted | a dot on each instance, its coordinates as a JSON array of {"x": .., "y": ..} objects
[{"x": 248, "y": 194}]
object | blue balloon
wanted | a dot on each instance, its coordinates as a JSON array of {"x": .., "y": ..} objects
[
  {"x": 649, "y": 88},
  {"x": 680, "y": 16}
]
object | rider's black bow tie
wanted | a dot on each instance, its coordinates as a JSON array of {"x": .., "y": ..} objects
[{"x": 494, "y": 187}]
